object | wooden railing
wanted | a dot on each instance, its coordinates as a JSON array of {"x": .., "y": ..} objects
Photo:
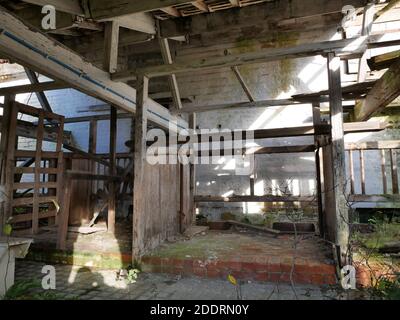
[{"x": 388, "y": 153}]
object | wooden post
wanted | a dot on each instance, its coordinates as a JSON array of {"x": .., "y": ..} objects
[
  {"x": 383, "y": 170},
  {"x": 7, "y": 113},
  {"x": 340, "y": 210},
  {"x": 12, "y": 141},
  {"x": 351, "y": 171},
  {"x": 92, "y": 150},
  {"x": 362, "y": 171},
  {"x": 192, "y": 126},
  {"x": 317, "y": 121},
  {"x": 113, "y": 171},
  {"x": 38, "y": 161},
  {"x": 139, "y": 195},
  {"x": 64, "y": 216},
  {"x": 111, "y": 38},
  {"x": 395, "y": 176}
]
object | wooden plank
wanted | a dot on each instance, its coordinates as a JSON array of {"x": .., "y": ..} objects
[
  {"x": 85, "y": 175},
  {"x": 92, "y": 150},
  {"x": 36, "y": 177},
  {"x": 43, "y": 54},
  {"x": 141, "y": 22},
  {"x": 173, "y": 83},
  {"x": 87, "y": 155},
  {"x": 181, "y": 212},
  {"x": 395, "y": 177},
  {"x": 35, "y": 112},
  {"x": 199, "y": 4},
  {"x": 304, "y": 50},
  {"x": 374, "y": 145},
  {"x": 29, "y": 216},
  {"x": 12, "y": 141},
  {"x": 383, "y": 171},
  {"x": 240, "y": 105},
  {"x": 350, "y": 127},
  {"x": 340, "y": 219},
  {"x": 374, "y": 198},
  {"x": 386, "y": 89},
  {"x": 192, "y": 191},
  {"x": 171, "y": 11},
  {"x": 8, "y": 114},
  {"x": 265, "y": 198},
  {"x": 247, "y": 18},
  {"x": 32, "y": 154},
  {"x": 381, "y": 13},
  {"x": 30, "y": 185},
  {"x": 113, "y": 171},
  {"x": 29, "y": 200},
  {"x": 316, "y": 111},
  {"x": 368, "y": 19},
  {"x": 68, "y": 6},
  {"x": 383, "y": 61},
  {"x": 104, "y": 9},
  {"x": 37, "y": 87},
  {"x": 111, "y": 38},
  {"x": 28, "y": 130},
  {"x": 64, "y": 215},
  {"x": 31, "y": 170},
  {"x": 139, "y": 195},
  {"x": 243, "y": 84}
]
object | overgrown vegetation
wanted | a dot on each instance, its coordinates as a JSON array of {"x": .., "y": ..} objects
[
  {"x": 376, "y": 252},
  {"x": 30, "y": 290}
]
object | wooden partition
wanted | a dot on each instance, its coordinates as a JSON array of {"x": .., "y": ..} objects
[
  {"x": 166, "y": 203},
  {"x": 33, "y": 176},
  {"x": 388, "y": 153}
]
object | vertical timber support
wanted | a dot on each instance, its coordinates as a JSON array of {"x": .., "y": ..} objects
[
  {"x": 92, "y": 150},
  {"x": 192, "y": 126},
  {"x": 110, "y": 63},
  {"x": 64, "y": 217},
  {"x": 340, "y": 210},
  {"x": 318, "y": 154},
  {"x": 111, "y": 38},
  {"x": 139, "y": 193},
  {"x": 5, "y": 128},
  {"x": 113, "y": 171}
]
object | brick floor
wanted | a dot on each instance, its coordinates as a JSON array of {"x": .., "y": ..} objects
[
  {"x": 93, "y": 284},
  {"x": 247, "y": 256}
]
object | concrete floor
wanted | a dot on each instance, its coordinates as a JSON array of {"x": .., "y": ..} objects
[{"x": 87, "y": 284}]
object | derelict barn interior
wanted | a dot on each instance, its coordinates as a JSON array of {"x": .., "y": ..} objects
[{"x": 314, "y": 84}]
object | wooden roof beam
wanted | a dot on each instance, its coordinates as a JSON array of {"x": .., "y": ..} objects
[
  {"x": 68, "y": 6},
  {"x": 345, "y": 46},
  {"x": 386, "y": 89},
  {"x": 39, "y": 52},
  {"x": 105, "y": 9},
  {"x": 37, "y": 87}
]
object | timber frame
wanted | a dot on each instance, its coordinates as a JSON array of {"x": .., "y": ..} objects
[{"x": 39, "y": 52}]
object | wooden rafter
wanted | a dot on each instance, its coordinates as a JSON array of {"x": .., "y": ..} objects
[
  {"x": 33, "y": 78},
  {"x": 243, "y": 84},
  {"x": 37, "y": 87},
  {"x": 345, "y": 46},
  {"x": 386, "y": 89},
  {"x": 39, "y": 52}
]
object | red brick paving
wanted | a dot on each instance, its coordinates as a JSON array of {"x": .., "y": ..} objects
[{"x": 247, "y": 257}]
